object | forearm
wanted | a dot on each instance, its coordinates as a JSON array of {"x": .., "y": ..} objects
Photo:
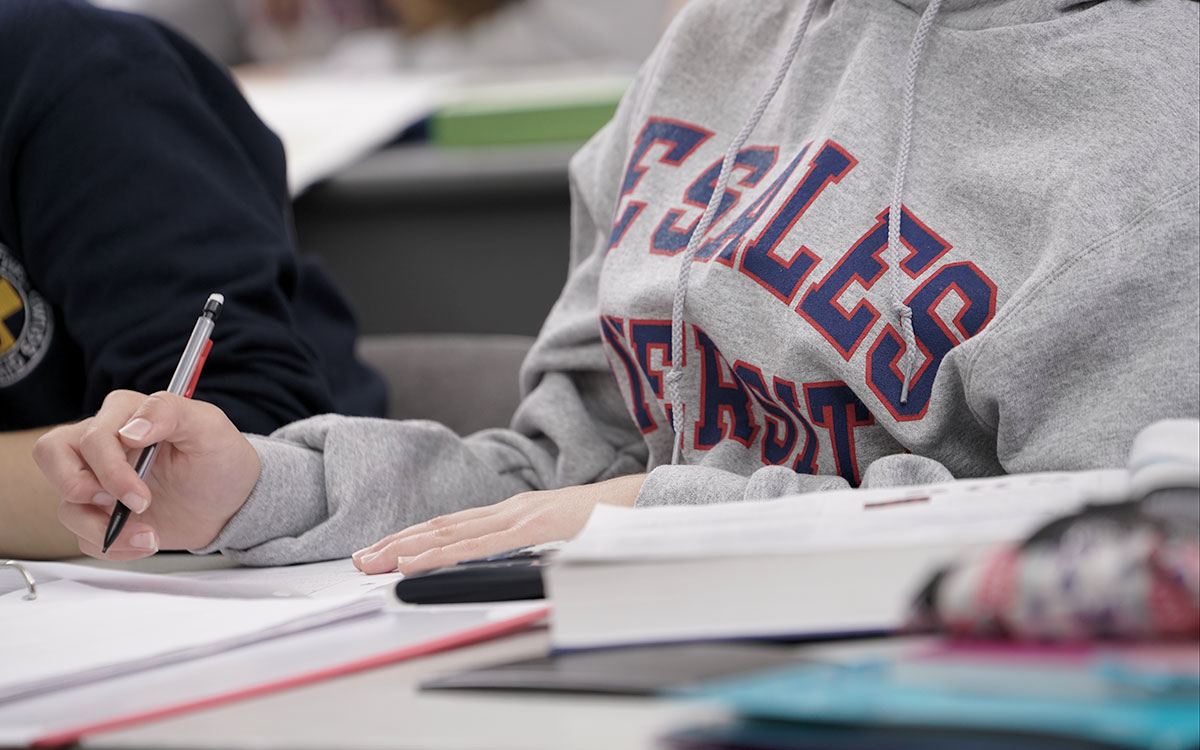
[
  {"x": 29, "y": 526},
  {"x": 331, "y": 485}
]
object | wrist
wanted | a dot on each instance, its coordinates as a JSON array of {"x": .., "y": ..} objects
[
  {"x": 286, "y": 498},
  {"x": 622, "y": 490}
]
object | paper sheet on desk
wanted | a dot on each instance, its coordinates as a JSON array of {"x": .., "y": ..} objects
[
  {"x": 324, "y": 579},
  {"x": 401, "y": 632},
  {"x": 75, "y": 634}
]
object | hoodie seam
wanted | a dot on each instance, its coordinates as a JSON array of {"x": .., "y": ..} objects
[
  {"x": 949, "y": 18},
  {"x": 1028, "y": 293}
]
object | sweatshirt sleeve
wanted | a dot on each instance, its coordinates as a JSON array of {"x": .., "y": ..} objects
[
  {"x": 143, "y": 182},
  {"x": 702, "y": 485},
  {"x": 331, "y": 484}
]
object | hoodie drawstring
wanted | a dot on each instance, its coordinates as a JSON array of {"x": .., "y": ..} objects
[
  {"x": 896, "y": 210},
  {"x": 675, "y": 374},
  {"x": 903, "y": 311}
]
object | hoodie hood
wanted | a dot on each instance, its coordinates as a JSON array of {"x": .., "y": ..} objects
[{"x": 975, "y": 15}]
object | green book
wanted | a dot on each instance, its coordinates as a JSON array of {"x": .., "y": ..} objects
[{"x": 545, "y": 111}]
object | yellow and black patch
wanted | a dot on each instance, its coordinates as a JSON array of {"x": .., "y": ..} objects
[
  {"x": 12, "y": 315},
  {"x": 26, "y": 324}
]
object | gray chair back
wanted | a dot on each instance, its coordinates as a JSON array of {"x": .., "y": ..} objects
[{"x": 466, "y": 381}]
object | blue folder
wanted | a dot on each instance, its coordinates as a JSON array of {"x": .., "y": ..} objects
[{"x": 1114, "y": 705}]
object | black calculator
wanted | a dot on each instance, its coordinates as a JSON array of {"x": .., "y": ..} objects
[{"x": 508, "y": 576}]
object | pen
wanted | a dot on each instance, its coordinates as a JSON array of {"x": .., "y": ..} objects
[{"x": 183, "y": 383}]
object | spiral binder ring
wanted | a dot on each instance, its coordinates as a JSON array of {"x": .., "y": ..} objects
[{"x": 29, "y": 582}]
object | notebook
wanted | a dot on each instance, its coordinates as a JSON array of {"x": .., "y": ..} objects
[
  {"x": 100, "y": 648},
  {"x": 569, "y": 107},
  {"x": 74, "y": 634}
]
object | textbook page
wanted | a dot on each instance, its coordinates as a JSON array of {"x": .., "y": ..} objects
[{"x": 982, "y": 510}]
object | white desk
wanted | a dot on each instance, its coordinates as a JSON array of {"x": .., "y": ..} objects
[{"x": 383, "y": 708}]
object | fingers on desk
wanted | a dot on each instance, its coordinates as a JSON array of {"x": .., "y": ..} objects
[
  {"x": 466, "y": 549},
  {"x": 381, "y": 556}
]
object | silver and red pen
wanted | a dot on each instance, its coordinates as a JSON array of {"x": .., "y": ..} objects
[{"x": 183, "y": 383}]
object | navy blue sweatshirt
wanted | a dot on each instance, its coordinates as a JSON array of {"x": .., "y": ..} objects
[{"x": 134, "y": 181}]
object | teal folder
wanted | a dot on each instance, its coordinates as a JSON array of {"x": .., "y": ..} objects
[{"x": 1106, "y": 702}]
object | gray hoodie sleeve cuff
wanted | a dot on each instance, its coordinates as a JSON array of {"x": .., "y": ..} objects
[
  {"x": 701, "y": 485},
  {"x": 288, "y": 499},
  {"x": 690, "y": 485}
]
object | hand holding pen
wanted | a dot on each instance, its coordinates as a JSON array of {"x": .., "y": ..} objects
[
  {"x": 204, "y": 472},
  {"x": 183, "y": 383}
]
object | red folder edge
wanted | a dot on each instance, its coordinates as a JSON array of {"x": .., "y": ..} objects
[{"x": 464, "y": 638}]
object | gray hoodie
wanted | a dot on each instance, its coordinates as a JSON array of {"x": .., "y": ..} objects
[{"x": 1034, "y": 307}]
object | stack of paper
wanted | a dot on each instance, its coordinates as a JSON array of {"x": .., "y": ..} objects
[
  {"x": 75, "y": 634},
  {"x": 101, "y": 647},
  {"x": 90, "y": 624}
]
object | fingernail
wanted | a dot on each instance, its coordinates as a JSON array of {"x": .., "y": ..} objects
[
  {"x": 359, "y": 554},
  {"x": 103, "y": 498},
  {"x": 136, "y": 429},
  {"x": 144, "y": 540},
  {"x": 136, "y": 502},
  {"x": 367, "y": 558},
  {"x": 402, "y": 560}
]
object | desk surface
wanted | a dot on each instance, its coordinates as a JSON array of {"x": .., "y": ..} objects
[{"x": 383, "y": 708}]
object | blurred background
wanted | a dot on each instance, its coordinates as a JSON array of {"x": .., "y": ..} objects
[
  {"x": 422, "y": 34},
  {"x": 428, "y": 140}
]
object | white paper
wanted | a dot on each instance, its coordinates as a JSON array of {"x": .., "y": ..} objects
[
  {"x": 91, "y": 622},
  {"x": 100, "y": 576},
  {"x": 324, "y": 579},
  {"x": 74, "y": 633},
  {"x": 980, "y": 510},
  {"x": 264, "y": 663},
  {"x": 329, "y": 119}
]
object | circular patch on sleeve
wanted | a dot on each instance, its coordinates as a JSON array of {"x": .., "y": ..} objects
[{"x": 26, "y": 323}]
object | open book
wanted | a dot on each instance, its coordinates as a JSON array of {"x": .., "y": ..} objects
[{"x": 826, "y": 563}]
